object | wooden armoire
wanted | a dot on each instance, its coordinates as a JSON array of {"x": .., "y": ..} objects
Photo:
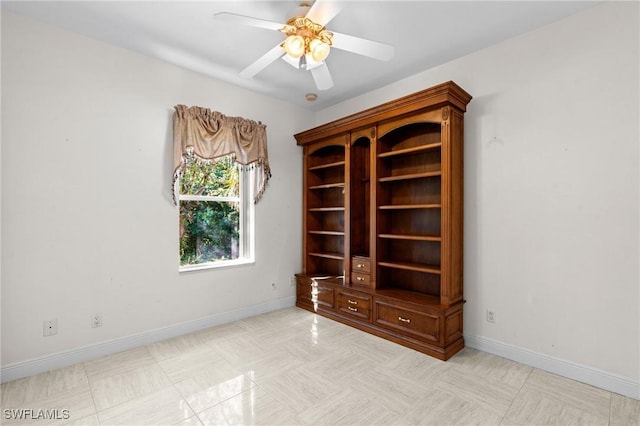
[{"x": 382, "y": 218}]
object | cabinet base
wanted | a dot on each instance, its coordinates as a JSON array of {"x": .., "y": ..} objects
[{"x": 411, "y": 320}]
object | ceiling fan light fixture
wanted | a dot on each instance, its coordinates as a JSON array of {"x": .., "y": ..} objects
[
  {"x": 306, "y": 40},
  {"x": 308, "y": 62},
  {"x": 294, "y": 45},
  {"x": 319, "y": 50}
]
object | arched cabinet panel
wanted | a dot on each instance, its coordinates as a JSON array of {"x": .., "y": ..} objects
[{"x": 325, "y": 185}]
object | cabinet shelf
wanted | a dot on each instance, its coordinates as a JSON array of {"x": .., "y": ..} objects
[
  {"x": 328, "y": 185},
  {"x": 410, "y": 237},
  {"x": 410, "y": 206},
  {"x": 337, "y": 233},
  {"x": 410, "y": 176},
  {"x": 408, "y": 296},
  {"x": 335, "y": 256},
  {"x": 327, "y": 166},
  {"x": 417, "y": 267},
  {"x": 409, "y": 151},
  {"x": 326, "y": 209}
]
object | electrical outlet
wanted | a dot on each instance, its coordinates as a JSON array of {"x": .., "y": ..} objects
[
  {"x": 96, "y": 320},
  {"x": 292, "y": 282},
  {"x": 50, "y": 327},
  {"x": 491, "y": 315},
  {"x": 273, "y": 285}
]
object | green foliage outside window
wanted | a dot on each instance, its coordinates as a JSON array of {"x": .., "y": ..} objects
[
  {"x": 220, "y": 178},
  {"x": 209, "y": 224}
]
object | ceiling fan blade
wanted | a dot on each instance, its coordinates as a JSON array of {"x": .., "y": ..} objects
[
  {"x": 322, "y": 77},
  {"x": 234, "y": 18},
  {"x": 262, "y": 62},
  {"x": 361, "y": 46},
  {"x": 323, "y": 11}
]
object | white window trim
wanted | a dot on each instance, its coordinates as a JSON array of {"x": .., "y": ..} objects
[{"x": 247, "y": 223}]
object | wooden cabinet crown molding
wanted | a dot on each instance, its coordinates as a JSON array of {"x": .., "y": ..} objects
[{"x": 446, "y": 93}]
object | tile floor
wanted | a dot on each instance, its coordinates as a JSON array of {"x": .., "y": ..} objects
[{"x": 292, "y": 367}]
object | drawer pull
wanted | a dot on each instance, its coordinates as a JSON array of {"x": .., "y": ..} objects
[
  {"x": 352, "y": 302},
  {"x": 360, "y": 278},
  {"x": 352, "y": 309},
  {"x": 407, "y": 320},
  {"x": 360, "y": 265}
]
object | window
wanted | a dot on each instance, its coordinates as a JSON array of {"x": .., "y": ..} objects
[
  {"x": 221, "y": 169},
  {"x": 216, "y": 214}
]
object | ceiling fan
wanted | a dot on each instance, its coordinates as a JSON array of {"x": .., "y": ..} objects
[{"x": 308, "y": 42}]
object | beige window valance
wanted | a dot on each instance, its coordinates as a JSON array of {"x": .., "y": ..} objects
[{"x": 205, "y": 135}]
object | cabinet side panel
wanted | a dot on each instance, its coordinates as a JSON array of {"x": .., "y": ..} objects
[
  {"x": 452, "y": 205},
  {"x": 305, "y": 206}
]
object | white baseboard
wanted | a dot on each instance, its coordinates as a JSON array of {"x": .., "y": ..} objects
[
  {"x": 589, "y": 375},
  {"x": 64, "y": 359}
]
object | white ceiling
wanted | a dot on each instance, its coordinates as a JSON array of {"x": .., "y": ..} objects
[{"x": 424, "y": 34}]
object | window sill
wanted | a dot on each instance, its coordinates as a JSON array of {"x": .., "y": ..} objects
[{"x": 215, "y": 265}]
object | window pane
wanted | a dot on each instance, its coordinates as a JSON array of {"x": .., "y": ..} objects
[
  {"x": 209, "y": 231},
  {"x": 219, "y": 178}
]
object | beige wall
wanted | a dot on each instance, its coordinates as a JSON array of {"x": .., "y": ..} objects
[
  {"x": 88, "y": 224},
  {"x": 551, "y": 187}
]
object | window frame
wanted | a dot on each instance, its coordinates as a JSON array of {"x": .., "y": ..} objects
[{"x": 247, "y": 223}]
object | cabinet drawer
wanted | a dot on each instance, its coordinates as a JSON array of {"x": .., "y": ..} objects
[
  {"x": 421, "y": 325},
  {"x": 361, "y": 264},
  {"x": 358, "y": 278},
  {"x": 354, "y": 304},
  {"x": 315, "y": 293},
  {"x": 322, "y": 295}
]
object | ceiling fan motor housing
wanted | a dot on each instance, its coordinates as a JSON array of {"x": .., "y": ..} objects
[{"x": 300, "y": 11}]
